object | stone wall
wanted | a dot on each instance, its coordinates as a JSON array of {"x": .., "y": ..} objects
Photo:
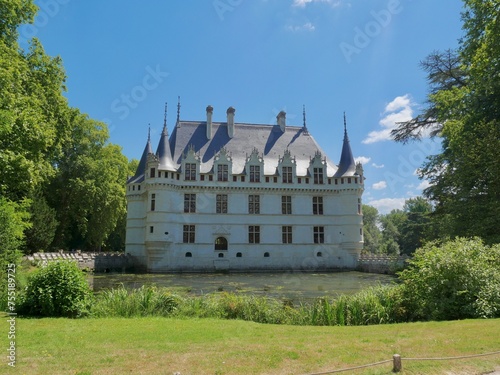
[
  {"x": 97, "y": 262},
  {"x": 381, "y": 263}
]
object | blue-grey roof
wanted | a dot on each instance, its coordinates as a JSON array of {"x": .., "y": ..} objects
[
  {"x": 269, "y": 140},
  {"x": 141, "y": 168},
  {"x": 163, "y": 152},
  {"x": 347, "y": 166}
]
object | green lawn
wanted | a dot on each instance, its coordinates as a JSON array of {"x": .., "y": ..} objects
[{"x": 209, "y": 346}]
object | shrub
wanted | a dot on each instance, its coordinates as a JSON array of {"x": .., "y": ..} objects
[
  {"x": 456, "y": 280},
  {"x": 58, "y": 289}
]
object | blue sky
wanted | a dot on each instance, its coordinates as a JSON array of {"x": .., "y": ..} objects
[{"x": 125, "y": 59}]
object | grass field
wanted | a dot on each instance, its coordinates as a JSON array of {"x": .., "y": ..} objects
[{"x": 210, "y": 346}]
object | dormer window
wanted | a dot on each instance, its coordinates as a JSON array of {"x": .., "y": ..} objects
[
  {"x": 222, "y": 172},
  {"x": 152, "y": 173},
  {"x": 255, "y": 173},
  {"x": 318, "y": 175},
  {"x": 190, "y": 172},
  {"x": 287, "y": 175}
]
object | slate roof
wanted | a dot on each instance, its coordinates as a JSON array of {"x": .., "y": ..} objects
[{"x": 269, "y": 140}]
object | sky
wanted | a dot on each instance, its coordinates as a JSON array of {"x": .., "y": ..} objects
[{"x": 124, "y": 59}]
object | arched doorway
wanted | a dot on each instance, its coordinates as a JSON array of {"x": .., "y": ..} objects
[{"x": 220, "y": 244}]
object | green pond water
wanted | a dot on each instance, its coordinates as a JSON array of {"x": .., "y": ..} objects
[{"x": 297, "y": 286}]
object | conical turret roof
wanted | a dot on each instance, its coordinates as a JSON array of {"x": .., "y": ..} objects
[
  {"x": 347, "y": 166},
  {"x": 163, "y": 152},
  {"x": 141, "y": 168}
]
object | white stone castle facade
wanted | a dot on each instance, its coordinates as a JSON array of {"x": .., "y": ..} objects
[{"x": 244, "y": 197}]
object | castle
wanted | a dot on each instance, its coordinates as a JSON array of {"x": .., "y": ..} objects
[{"x": 230, "y": 196}]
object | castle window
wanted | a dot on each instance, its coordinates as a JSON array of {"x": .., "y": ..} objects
[
  {"x": 254, "y": 204},
  {"x": 188, "y": 233},
  {"x": 266, "y": 255},
  {"x": 319, "y": 254},
  {"x": 238, "y": 255},
  {"x": 286, "y": 234},
  {"x": 202, "y": 177},
  {"x": 286, "y": 205},
  {"x": 151, "y": 229},
  {"x": 307, "y": 180},
  {"x": 255, "y": 173},
  {"x": 275, "y": 179},
  {"x": 235, "y": 178},
  {"x": 319, "y": 235},
  {"x": 189, "y": 255},
  {"x": 221, "y": 255},
  {"x": 359, "y": 206},
  {"x": 190, "y": 203},
  {"x": 221, "y": 204},
  {"x": 220, "y": 244},
  {"x": 138, "y": 187},
  {"x": 336, "y": 181},
  {"x": 190, "y": 173},
  {"x": 318, "y": 175},
  {"x": 267, "y": 179},
  {"x": 222, "y": 172},
  {"x": 210, "y": 177},
  {"x": 287, "y": 175},
  {"x": 318, "y": 205},
  {"x": 153, "y": 202},
  {"x": 355, "y": 180},
  {"x": 348, "y": 180},
  {"x": 242, "y": 178},
  {"x": 133, "y": 187},
  {"x": 253, "y": 234},
  {"x": 299, "y": 180},
  {"x": 152, "y": 173}
]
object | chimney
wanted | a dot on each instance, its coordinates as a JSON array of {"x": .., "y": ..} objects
[
  {"x": 230, "y": 122},
  {"x": 281, "y": 118},
  {"x": 210, "y": 110}
]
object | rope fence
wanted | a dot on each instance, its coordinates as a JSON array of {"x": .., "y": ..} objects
[{"x": 397, "y": 361}]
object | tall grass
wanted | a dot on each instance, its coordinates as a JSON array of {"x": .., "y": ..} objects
[{"x": 377, "y": 305}]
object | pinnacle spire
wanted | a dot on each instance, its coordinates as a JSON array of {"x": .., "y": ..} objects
[
  {"x": 347, "y": 166},
  {"x": 165, "y": 120},
  {"x": 304, "y": 118},
  {"x": 178, "y": 109}
]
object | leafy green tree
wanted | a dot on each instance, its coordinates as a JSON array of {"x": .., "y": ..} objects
[
  {"x": 392, "y": 224},
  {"x": 40, "y": 235},
  {"x": 464, "y": 109},
  {"x": 415, "y": 230},
  {"x": 371, "y": 232}
]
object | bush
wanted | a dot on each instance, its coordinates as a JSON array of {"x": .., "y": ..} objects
[
  {"x": 459, "y": 279},
  {"x": 58, "y": 289}
]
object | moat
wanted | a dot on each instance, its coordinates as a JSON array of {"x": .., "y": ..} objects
[{"x": 298, "y": 286}]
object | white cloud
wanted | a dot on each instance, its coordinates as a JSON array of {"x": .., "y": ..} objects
[
  {"x": 386, "y": 205},
  {"x": 362, "y": 160},
  {"x": 399, "y": 110},
  {"x": 424, "y": 185},
  {"x": 308, "y": 26},
  {"x": 303, "y": 3},
  {"x": 379, "y": 185},
  {"x": 378, "y": 166}
]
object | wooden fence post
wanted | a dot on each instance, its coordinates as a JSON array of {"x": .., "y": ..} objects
[{"x": 397, "y": 365}]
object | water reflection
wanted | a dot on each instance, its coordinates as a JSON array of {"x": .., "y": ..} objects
[{"x": 298, "y": 286}]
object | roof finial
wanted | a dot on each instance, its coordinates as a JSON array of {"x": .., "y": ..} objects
[
  {"x": 304, "y": 118},
  {"x": 178, "y": 109},
  {"x": 149, "y": 132},
  {"x": 345, "y": 124},
  {"x": 165, "y": 116}
]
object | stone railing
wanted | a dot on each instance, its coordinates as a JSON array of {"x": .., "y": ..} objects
[
  {"x": 98, "y": 262},
  {"x": 381, "y": 263}
]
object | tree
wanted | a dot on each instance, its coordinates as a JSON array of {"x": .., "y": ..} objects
[
  {"x": 391, "y": 232},
  {"x": 415, "y": 229},
  {"x": 43, "y": 227},
  {"x": 371, "y": 232},
  {"x": 464, "y": 103}
]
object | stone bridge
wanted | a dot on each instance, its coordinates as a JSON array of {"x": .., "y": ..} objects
[
  {"x": 384, "y": 264},
  {"x": 97, "y": 262}
]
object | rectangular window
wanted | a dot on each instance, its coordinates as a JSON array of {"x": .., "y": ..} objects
[
  {"x": 153, "y": 202},
  {"x": 255, "y": 173},
  {"x": 151, "y": 229},
  {"x": 286, "y": 205},
  {"x": 317, "y": 205},
  {"x": 253, "y": 234},
  {"x": 286, "y": 234},
  {"x": 319, "y": 234},
  {"x": 287, "y": 175},
  {"x": 188, "y": 234},
  {"x": 318, "y": 175},
  {"x": 221, "y": 204},
  {"x": 254, "y": 204},
  {"x": 242, "y": 178},
  {"x": 190, "y": 173},
  {"x": 152, "y": 172},
  {"x": 190, "y": 203},
  {"x": 359, "y": 206},
  {"x": 222, "y": 172}
]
